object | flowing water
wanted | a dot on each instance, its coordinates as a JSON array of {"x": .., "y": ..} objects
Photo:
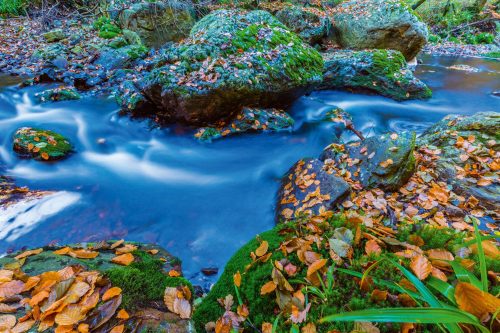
[{"x": 200, "y": 201}]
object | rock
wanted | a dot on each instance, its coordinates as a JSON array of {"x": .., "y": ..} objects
[
  {"x": 50, "y": 52},
  {"x": 249, "y": 119},
  {"x": 308, "y": 190},
  {"x": 381, "y": 71},
  {"x": 469, "y": 151},
  {"x": 379, "y": 24},
  {"x": 42, "y": 145},
  {"x": 157, "y": 23},
  {"x": 123, "y": 57},
  {"x": 54, "y": 35},
  {"x": 232, "y": 59},
  {"x": 384, "y": 161},
  {"x": 58, "y": 94},
  {"x": 306, "y": 22}
]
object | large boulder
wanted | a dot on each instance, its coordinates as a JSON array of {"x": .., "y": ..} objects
[
  {"x": 383, "y": 161},
  {"x": 381, "y": 71},
  {"x": 469, "y": 155},
  {"x": 232, "y": 59},
  {"x": 158, "y": 22},
  {"x": 379, "y": 24},
  {"x": 307, "y": 189}
]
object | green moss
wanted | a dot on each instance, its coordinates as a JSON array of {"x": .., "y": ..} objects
[
  {"x": 137, "y": 51},
  {"x": 38, "y": 142},
  {"x": 143, "y": 281},
  {"x": 13, "y": 7},
  {"x": 109, "y": 30},
  {"x": 495, "y": 55}
]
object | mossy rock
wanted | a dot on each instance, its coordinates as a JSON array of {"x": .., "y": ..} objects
[
  {"x": 58, "y": 94},
  {"x": 232, "y": 59},
  {"x": 109, "y": 31},
  {"x": 50, "y": 52},
  {"x": 143, "y": 282},
  {"x": 379, "y": 24},
  {"x": 40, "y": 144},
  {"x": 54, "y": 35},
  {"x": 384, "y": 72}
]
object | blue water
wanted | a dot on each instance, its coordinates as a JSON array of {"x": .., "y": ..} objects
[{"x": 199, "y": 201}]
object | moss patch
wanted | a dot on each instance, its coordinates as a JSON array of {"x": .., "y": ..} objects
[{"x": 41, "y": 144}]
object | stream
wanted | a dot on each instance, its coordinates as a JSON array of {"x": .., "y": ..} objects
[{"x": 200, "y": 201}]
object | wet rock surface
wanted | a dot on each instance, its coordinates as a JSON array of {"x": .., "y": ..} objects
[
  {"x": 384, "y": 72},
  {"x": 40, "y": 144}
]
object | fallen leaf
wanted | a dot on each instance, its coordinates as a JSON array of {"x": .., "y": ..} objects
[
  {"x": 421, "y": 266},
  {"x": 124, "y": 259},
  {"x": 372, "y": 247},
  {"x": 110, "y": 293},
  {"x": 262, "y": 249},
  {"x": 267, "y": 288},
  {"x": 122, "y": 314},
  {"x": 7, "y": 322},
  {"x": 237, "y": 279},
  {"x": 117, "y": 329},
  {"x": 317, "y": 265},
  {"x": 28, "y": 253},
  {"x": 83, "y": 254},
  {"x": 11, "y": 288},
  {"x": 475, "y": 301},
  {"x": 69, "y": 316}
]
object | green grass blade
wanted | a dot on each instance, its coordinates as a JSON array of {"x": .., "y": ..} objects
[
  {"x": 410, "y": 315},
  {"x": 446, "y": 289},
  {"x": 464, "y": 275},
  {"x": 482, "y": 258}
]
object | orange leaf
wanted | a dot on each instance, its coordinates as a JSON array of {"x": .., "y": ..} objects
[
  {"x": 421, "y": 266},
  {"x": 438, "y": 274},
  {"x": 38, "y": 298},
  {"x": 124, "y": 259},
  {"x": 23, "y": 327},
  {"x": 62, "y": 251},
  {"x": 379, "y": 295},
  {"x": 440, "y": 257},
  {"x": 122, "y": 314},
  {"x": 372, "y": 247},
  {"x": 28, "y": 253},
  {"x": 110, "y": 293},
  {"x": 6, "y": 275},
  {"x": 71, "y": 315},
  {"x": 489, "y": 247},
  {"x": 117, "y": 329},
  {"x": 7, "y": 322},
  {"x": 83, "y": 328},
  {"x": 83, "y": 254},
  {"x": 237, "y": 279},
  {"x": 153, "y": 251},
  {"x": 173, "y": 273},
  {"x": 127, "y": 248},
  {"x": 268, "y": 288},
  {"x": 45, "y": 156},
  {"x": 315, "y": 266},
  {"x": 475, "y": 301},
  {"x": 116, "y": 244},
  {"x": 262, "y": 249}
]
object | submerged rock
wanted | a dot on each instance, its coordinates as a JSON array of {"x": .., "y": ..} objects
[
  {"x": 381, "y": 71},
  {"x": 310, "y": 24},
  {"x": 468, "y": 155},
  {"x": 158, "y": 22},
  {"x": 307, "y": 189},
  {"x": 384, "y": 161},
  {"x": 58, "y": 94},
  {"x": 232, "y": 59},
  {"x": 249, "y": 120},
  {"x": 42, "y": 145},
  {"x": 379, "y": 24}
]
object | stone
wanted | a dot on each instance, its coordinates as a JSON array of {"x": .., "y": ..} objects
[
  {"x": 453, "y": 136},
  {"x": 308, "y": 190},
  {"x": 158, "y": 23},
  {"x": 233, "y": 59},
  {"x": 383, "y": 161},
  {"x": 58, "y": 94},
  {"x": 379, "y": 24},
  {"x": 54, "y": 35},
  {"x": 249, "y": 120},
  {"x": 384, "y": 72},
  {"x": 40, "y": 144},
  {"x": 313, "y": 26}
]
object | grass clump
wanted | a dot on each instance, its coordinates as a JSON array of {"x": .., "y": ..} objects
[
  {"x": 143, "y": 281},
  {"x": 13, "y": 7}
]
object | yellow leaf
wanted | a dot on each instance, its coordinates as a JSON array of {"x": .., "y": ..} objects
[
  {"x": 124, "y": 259},
  {"x": 237, "y": 279},
  {"x": 421, "y": 266},
  {"x": 262, "y": 249},
  {"x": 62, "y": 251},
  {"x": 173, "y": 273},
  {"x": 70, "y": 315},
  {"x": 267, "y": 328},
  {"x": 268, "y": 288},
  {"x": 475, "y": 301},
  {"x": 110, "y": 293},
  {"x": 83, "y": 254},
  {"x": 117, "y": 329},
  {"x": 6, "y": 275}
]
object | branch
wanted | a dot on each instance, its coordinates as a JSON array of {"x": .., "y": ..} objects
[{"x": 417, "y": 4}]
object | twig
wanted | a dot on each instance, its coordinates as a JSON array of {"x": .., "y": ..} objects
[
  {"x": 472, "y": 24},
  {"x": 350, "y": 126}
]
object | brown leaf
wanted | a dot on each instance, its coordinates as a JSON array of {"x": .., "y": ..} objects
[
  {"x": 439, "y": 274},
  {"x": 11, "y": 288},
  {"x": 315, "y": 266},
  {"x": 489, "y": 247},
  {"x": 23, "y": 327},
  {"x": 309, "y": 328},
  {"x": 124, "y": 259},
  {"x": 7, "y": 322},
  {"x": 372, "y": 247},
  {"x": 6, "y": 275},
  {"x": 71, "y": 315},
  {"x": 83, "y": 254},
  {"x": 169, "y": 296},
  {"x": 262, "y": 249},
  {"x": 267, "y": 328},
  {"x": 475, "y": 301},
  {"x": 379, "y": 295},
  {"x": 117, "y": 329},
  {"x": 28, "y": 253},
  {"x": 440, "y": 257},
  {"x": 237, "y": 279},
  {"x": 6, "y": 308},
  {"x": 269, "y": 287},
  {"x": 421, "y": 266},
  {"x": 122, "y": 314},
  {"x": 116, "y": 244}
]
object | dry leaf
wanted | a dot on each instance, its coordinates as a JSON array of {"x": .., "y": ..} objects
[
  {"x": 63, "y": 251},
  {"x": 315, "y": 266},
  {"x": 28, "y": 253},
  {"x": 117, "y": 329},
  {"x": 475, "y": 301},
  {"x": 124, "y": 259},
  {"x": 237, "y": 279},
  {"x": 11, "y": 288},
  {"x": 83, "y": 254},
  {"x": 122, "y": 314},
  {"x": 71, "y": 315},
  {"x": 269, "y": 287},
  {"x": 23, "y": 327},
  {"x": 421, "y": 266},
  {"x": 372, "y": 247},
  {"x": 262, "y": 249},
  {"x": 110, "y": 293}
]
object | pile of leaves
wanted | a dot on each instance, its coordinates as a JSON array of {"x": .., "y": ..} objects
[
  {"x": 325, "y": 266},
  {"x": 84, "y": 298}
]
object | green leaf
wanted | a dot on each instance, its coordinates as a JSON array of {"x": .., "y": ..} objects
[
  {"x": 446, "y": 289},
  {"x": 464, "y": 275},
  {"x": 410, "y": 315},
  {"x": 480, "y": 254}
]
